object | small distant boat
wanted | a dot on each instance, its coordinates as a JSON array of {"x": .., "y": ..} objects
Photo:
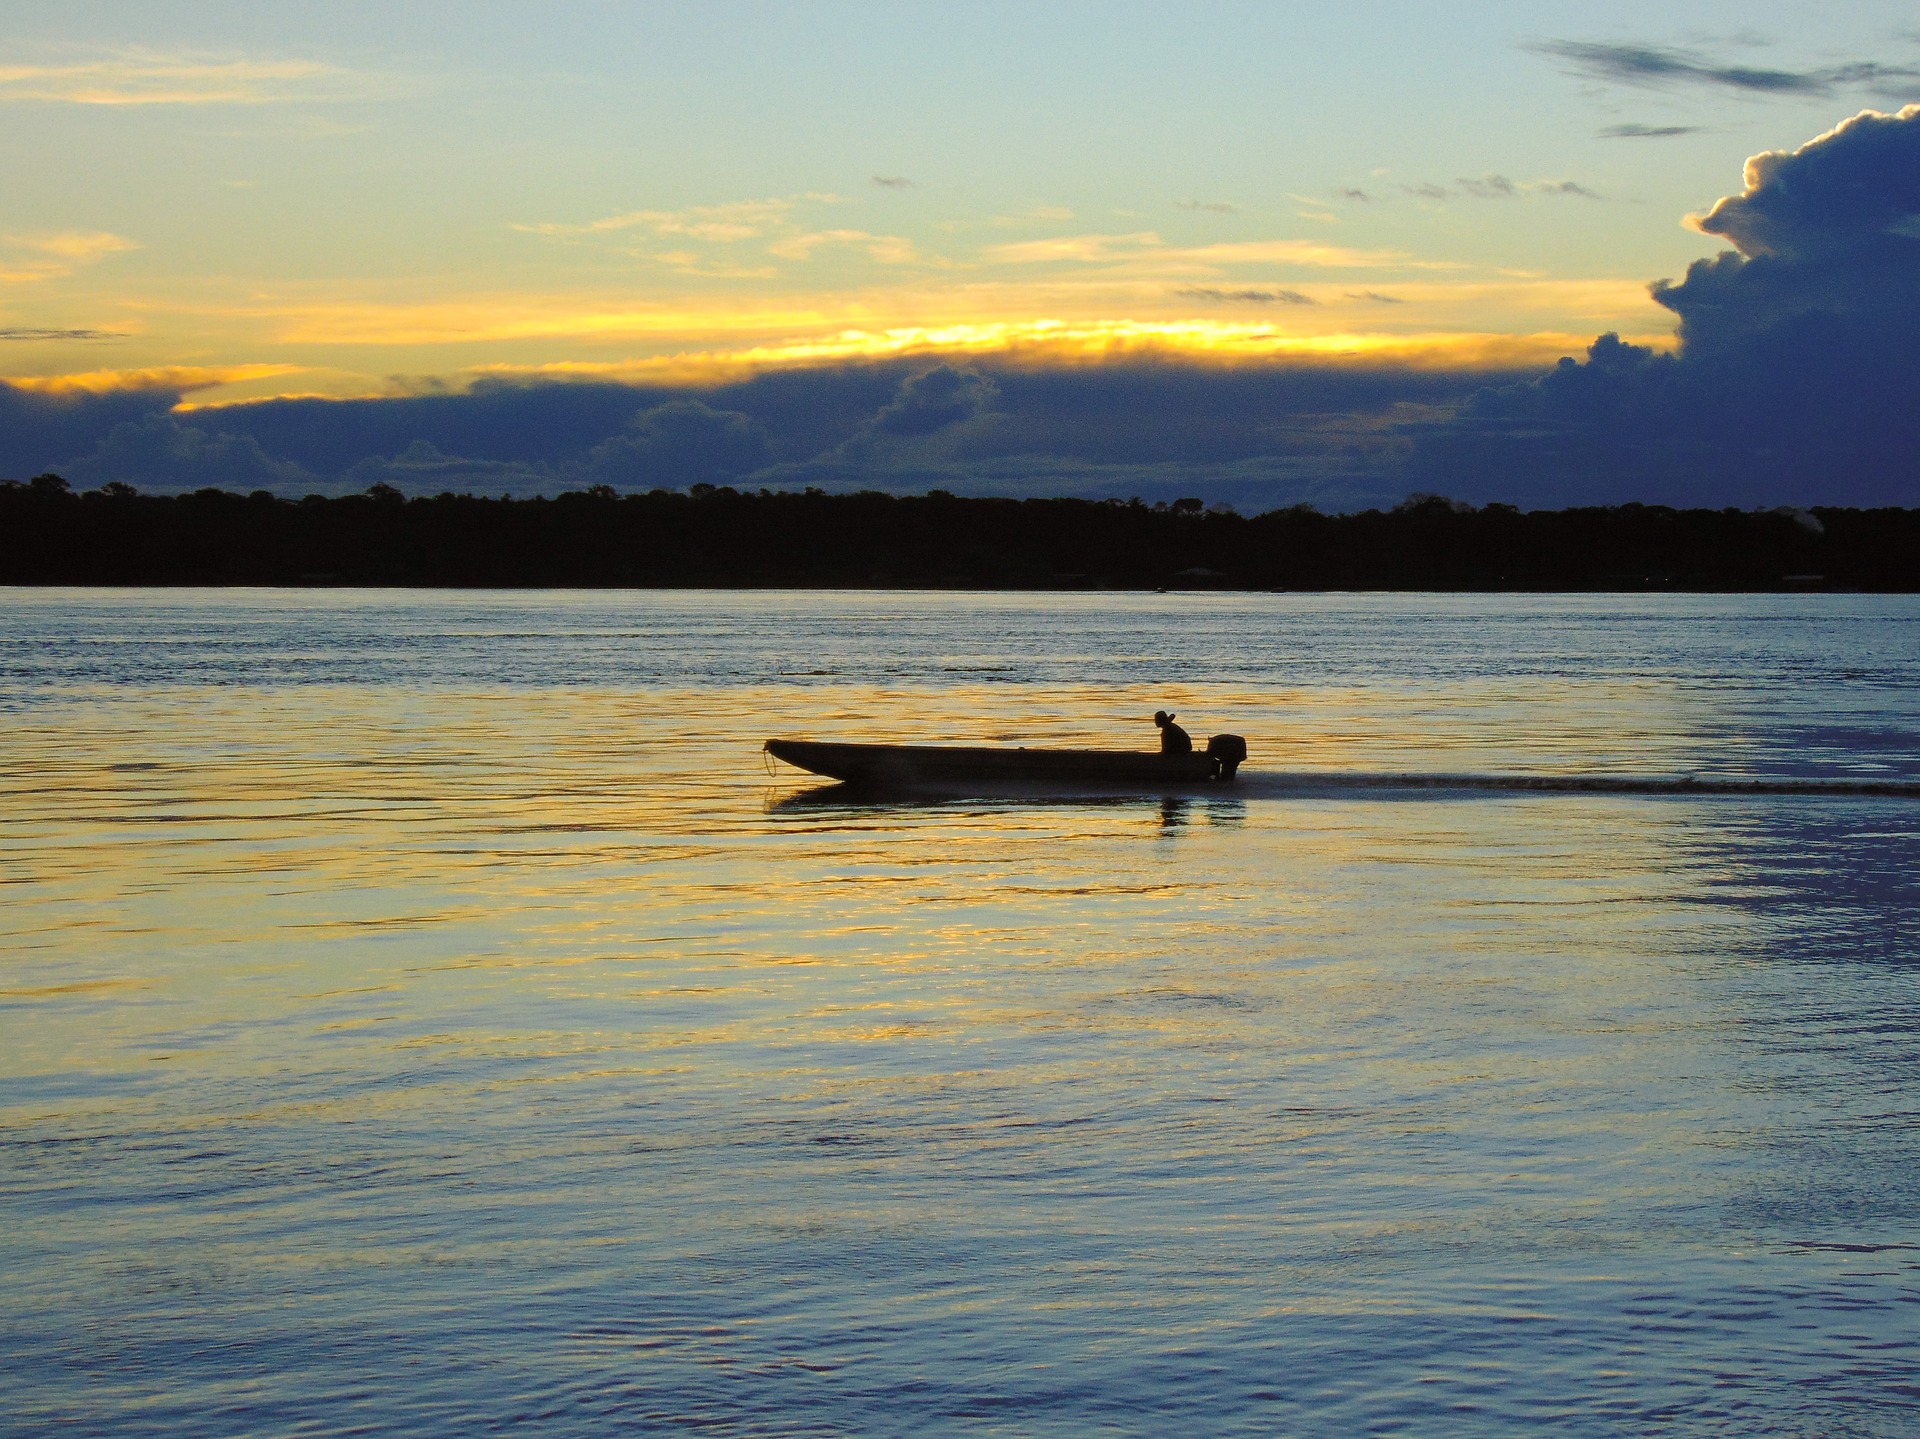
[{"x": 910, "y": 766}]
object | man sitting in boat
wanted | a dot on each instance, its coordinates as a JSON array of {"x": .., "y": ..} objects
[{"x": 1173, "y": 739}]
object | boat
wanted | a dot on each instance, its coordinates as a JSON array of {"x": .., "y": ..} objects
[{"x": 909, "y": 766}]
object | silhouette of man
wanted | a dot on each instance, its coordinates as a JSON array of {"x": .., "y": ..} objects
[{"x": 1173, "y": 739}]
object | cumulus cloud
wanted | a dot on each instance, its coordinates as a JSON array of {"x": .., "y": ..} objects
[
  {"x": 44, "y": 430},
  {"x": 161, "y": 452},
  {"x": 680, "y": 443},
  {"x": 1797, "y": 377},
  {"x": 934, "y": 401},
  {"x": 1824, "y": 252},
  {"x": 1843, "y": 193},
  {"x": 1256, "y": 435}
]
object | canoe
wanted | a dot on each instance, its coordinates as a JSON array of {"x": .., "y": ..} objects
[{"x": 922, "y": 765}]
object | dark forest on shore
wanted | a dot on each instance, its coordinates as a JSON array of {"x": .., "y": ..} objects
[{"x": 715, "y": 536}]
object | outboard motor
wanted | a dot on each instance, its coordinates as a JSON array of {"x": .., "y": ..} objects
[{"x": 1227, "y": 751}]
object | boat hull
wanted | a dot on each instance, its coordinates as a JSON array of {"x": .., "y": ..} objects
[{"x": 923, "y": 766}]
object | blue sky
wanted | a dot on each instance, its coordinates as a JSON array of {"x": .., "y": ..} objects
[{"x": 353, "y": 200}]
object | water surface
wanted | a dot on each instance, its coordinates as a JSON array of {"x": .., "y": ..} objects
[{"x": 423, "y": 1012}]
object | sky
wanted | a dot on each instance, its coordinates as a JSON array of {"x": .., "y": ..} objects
[{"x": 1265, "y": 253}]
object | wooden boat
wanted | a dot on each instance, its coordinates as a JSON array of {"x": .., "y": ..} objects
[{"x": 925, "y": 765}]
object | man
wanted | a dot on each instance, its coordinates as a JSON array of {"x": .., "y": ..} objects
[{"x": 1173, "y": 739}]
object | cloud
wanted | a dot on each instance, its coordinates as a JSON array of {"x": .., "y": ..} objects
[
  {"x": 1500, "y": 187},
  {"x": 1309, "y": 253},
  {"x": 1659, "y": 65},
  {"x": 1217, "y": 207},
  {"x": 171, "y": 380},
  {"x": 1358, "y": 196},
  {"x": 1254, "y": 297},
  {"x": 424, "y": 469},
  {"x": 936, "y": 400},
  {"x": 78, "y": 245},
  {"x": 1254, "y": 438},
  {"x": 1078, "y": 249},
  {"x": 680, "y": 443},
  {"x": 1797, "y": 378},
  {"x": 20, "y": 332},
  {"x": 43, "y": 429},
  {"x": 772, "y": 222},
  {"x": 887, "y": 249},
  {"x": 717, "y": 224},
  {"x": 1563, "y": 187},
  {"x": 1145, "y": 248},
  {"x": 1647, "y": 132},
  {"x": 1161, "y": 427},
  {"x": 1184, "y": 341},
  {"x": 162, "y": 453},
  {"x": 54, "y": 256},
  {"x": 1843, "y": 194},
  {"x": 1796, "y": 381},
  {"x": 143, "y": 78},
  {"x": 1489, "y": 187},
  {"x": 892, "y": 182}
]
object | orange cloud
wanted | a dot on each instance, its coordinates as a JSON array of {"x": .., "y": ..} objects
[
  {"x": 76, "y": 244},
  {"x": 55, "y": 256},
  {"x": 184, "y": 378}
]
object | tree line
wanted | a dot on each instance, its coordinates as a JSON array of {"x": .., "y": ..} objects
[{"x": 717, "y": 536}]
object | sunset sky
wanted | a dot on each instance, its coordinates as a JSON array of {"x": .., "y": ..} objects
[{"x": 233, "y": 202}]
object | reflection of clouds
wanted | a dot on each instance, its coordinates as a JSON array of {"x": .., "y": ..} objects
[
  {"x": 1813, "y": 1002},
  {"x": 1832, "y": 883}
]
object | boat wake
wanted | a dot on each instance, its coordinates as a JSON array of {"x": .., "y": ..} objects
[{"x": 1287, "y": 783}]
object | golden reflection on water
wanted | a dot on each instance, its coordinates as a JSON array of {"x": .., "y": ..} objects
[{"x": 212, "y": 873}]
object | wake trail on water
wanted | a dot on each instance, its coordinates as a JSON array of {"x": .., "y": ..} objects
[{"x": 1282, "y": 785}]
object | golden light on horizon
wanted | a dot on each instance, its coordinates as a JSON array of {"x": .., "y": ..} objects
[{"x": 1035, "y": 343}]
